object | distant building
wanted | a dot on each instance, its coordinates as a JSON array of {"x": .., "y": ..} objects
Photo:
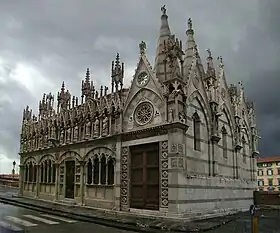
[
  {"x": 268, "y": 174},
  {"x": 178, "y": 140}
]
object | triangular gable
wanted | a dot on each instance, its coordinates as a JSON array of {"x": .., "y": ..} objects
[{"x": 144, "y": 78}]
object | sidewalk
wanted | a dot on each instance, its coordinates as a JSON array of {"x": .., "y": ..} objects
[{"x": 117, "y": 219}]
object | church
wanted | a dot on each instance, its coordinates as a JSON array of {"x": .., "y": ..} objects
[{"x": 178, "y": 141}]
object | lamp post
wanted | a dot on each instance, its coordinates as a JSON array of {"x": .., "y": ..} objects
[{"x": 13, "y": 171}]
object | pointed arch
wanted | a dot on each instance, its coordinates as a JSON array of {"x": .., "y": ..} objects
[
  {"x": 30, "y": 159},
  {"x": 47, "y": 157},
  {"x": 98, "y": 151},
  {"x": 204, "y": 106},
  {"x": 70, "y": 155},
  {"x": 138, "y": 93}
]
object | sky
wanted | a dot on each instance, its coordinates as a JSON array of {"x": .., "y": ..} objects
[{"x": 43, "y": 43}]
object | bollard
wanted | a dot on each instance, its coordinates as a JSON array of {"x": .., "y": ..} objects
[
  {"x": 255, "y": 224},
  {"x": 254, "y": 219}
]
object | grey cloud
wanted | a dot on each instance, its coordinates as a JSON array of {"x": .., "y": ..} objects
[{"x": 62, "y": 38}]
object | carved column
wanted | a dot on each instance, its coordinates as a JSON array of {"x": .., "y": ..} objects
[
  {"x": 38, "y": 168},
  {"x": 82, "y": 175},
  {"x": 21, "y": 179},
  {"x": 56, "y": 181},
  {"x": 99, "y": 170}
]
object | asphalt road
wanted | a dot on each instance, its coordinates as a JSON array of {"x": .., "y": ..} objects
[{"x": 16, "y": 219}]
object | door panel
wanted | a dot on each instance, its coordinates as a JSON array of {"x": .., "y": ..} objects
[
  {"x": 70, "y": 175},
  {"x": 144, "y": 192}
]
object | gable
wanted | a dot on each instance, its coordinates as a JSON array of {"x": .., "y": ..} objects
[{"x": 144, "y": 79}]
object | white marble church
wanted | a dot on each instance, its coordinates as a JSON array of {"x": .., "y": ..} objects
[{"x": 178, "y": 141}]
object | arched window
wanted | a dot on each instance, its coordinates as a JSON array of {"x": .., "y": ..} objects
[
  {"x": 35, "y": 173},
  {"x": 53, "y": 173},
  {"x": 103, "y": 170},
  {"x": 96, "y": 171},
  {"x": 26, "y": 172},
  {"x": 224, "y": 141},
  {"x": 42, "y": 173},
  {"x": 111, "y": 171},
  {"x": 196, "y": 132},
  {"x": 89, "y": 172},
  {"x": 30, "y": 172},
  {"x": 50, "y": 171},
  {"x": 46, "y": 172}
]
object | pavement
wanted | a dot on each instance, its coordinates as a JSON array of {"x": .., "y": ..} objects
[{"x": 125, "y": 222}]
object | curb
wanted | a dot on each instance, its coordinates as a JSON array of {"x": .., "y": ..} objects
[{"x": 114, "y": 223}]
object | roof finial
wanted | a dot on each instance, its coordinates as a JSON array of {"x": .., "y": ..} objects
[
  {"x": 87, "y": 75},
  {"x": 163, "y": 10},
  {"x": 220, "y": 59}
]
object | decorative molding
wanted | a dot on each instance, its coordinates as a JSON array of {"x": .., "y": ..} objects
[
  {"x": 124, "y": 176},
  {"x": 164, "y": 175}
]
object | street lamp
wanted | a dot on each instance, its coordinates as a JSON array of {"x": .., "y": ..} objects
[{"x": 13, "y": 171}]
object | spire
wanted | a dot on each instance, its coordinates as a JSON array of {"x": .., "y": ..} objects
[
  {"x": 210, "y": 73},
  {"x": 87, "y": 86},
  {"x": 164, "y": 35},
  {"x": 190, "y": 48},
  {"x": 190, "y": 44}
]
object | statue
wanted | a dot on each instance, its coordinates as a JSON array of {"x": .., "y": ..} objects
[
  {"x": 53, "y": 132},
  {"x": 40, "y": 141},
  {"x": 68, "y": 135},
  {"x": 163, "y": 10},
  {"x": 96, "y": 133},
  {"x": 190, "y": 23},
  {"x": 170, "y": 115},
  {"x": 142, "y": 47},
  {"x": 88, "y": 128},
  {"x": 216, "y": 115},
  {"x": 61, "y": 137},
  {"x": 105, "y": 126},
  {"x": 76, "y": 133}
]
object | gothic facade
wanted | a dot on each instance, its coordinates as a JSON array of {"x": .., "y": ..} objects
[{"x": 179, "y": 140}]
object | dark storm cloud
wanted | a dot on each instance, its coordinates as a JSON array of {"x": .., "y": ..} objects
[{"x": 61, "y": 38}]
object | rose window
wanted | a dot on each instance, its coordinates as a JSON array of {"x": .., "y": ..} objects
[{"x": 144, "y": 113}]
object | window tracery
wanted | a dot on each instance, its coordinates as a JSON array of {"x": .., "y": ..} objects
[
  {"x": 144, "y": 113},
  {"x": 100, "y": 170}
]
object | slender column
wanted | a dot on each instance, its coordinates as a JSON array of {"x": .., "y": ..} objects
[
  {"x": 99, "y": 164},
  {"x": 92, "y": 172},
  {"x": 82, "y": 173},
  {"x": 38, "y": 168},
  {"x": 106, "y": 174},
  {"x": 56, "y": 180},
  {"x": 21, "y": 179}
]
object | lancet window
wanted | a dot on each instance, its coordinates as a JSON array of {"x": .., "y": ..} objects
[
  {"x": 100, "y": 171},
  {"x": 48, "y": 172},
  {"x": 196, "y": 132},
  {"x": 224, "y": 141},
  {"x": 30, "y": 172}
]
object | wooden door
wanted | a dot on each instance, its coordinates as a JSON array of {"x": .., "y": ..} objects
[
  {"x": 144, "y": 185},
  {"x": 70, "y": 176}
]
